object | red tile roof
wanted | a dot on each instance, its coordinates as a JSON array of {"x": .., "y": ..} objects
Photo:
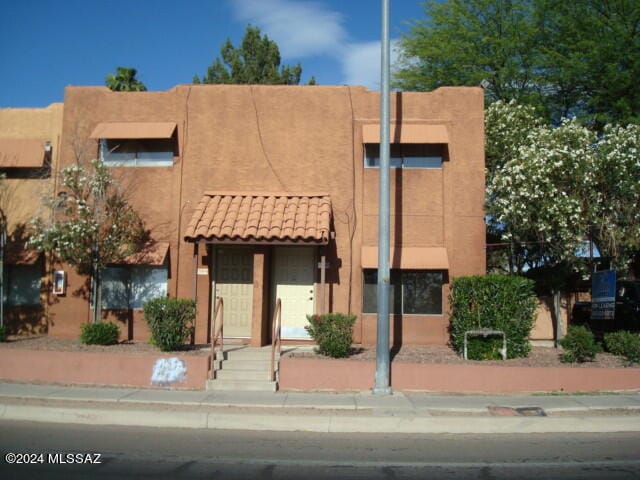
[{"x": 229, "y": 216}]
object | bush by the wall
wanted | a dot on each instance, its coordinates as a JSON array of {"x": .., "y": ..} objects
[
  {"x": 101, "y": 333},
  {"x": 332, "y": 332},
  {"x": 485, "y": 348},
  {"x": 3, "y": 333},
  {"x": 498, "y": 302},
  {"x": 624, "y": 344},
  {"x": 170, "y": 321},
  {"x": 579, "y": 345}
]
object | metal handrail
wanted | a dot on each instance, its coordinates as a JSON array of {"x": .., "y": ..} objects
[
  {"x": 276, "y": 341},
  {"x": 217, "y": 333}
]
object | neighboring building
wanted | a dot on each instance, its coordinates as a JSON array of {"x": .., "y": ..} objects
[
  {"x": 29, "y": 150},
  {"x": 249, "y": 190}
]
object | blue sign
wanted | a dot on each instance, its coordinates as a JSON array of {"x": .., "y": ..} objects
[{"x": 603, "y": 295}]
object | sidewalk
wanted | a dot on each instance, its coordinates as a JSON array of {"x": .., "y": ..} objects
[{"x": 321, "y": 412}]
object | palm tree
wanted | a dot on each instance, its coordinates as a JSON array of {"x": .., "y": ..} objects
[{"x": 125, "y": 81}]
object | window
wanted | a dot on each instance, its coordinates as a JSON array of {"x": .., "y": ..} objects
[
  {"x": 22, "y": 285},
  {"x": 412, "y": 292},
  {"x": 407, "y": 155},
  {"x": 157, "y": 152},
  {"x": 130, "y": 287}
]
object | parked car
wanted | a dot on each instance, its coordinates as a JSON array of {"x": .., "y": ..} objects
[{"x": 627, "y": 310}]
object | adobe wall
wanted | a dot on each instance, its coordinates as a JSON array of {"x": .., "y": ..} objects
[
  {"x": 297, "y": 139},
  {"x": 430, "y": 207},
  {"x": 21, "y": 199},
  {"x": 30, "y": 123}
]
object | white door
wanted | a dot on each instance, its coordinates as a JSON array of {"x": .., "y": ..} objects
[
  {"x": 234, "y": 283},
  {"x": 293, "y": 284}
]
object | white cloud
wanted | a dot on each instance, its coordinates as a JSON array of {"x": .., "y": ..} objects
[
  {"x": 310, "y": 28},
  {"x": 299, "y": 28},
  {"x": 361, "y": 63}
]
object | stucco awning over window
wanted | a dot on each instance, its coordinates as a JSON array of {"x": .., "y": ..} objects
[
  {"x": 130, "y": 130},
  {"x": 21, "y": 153},
  {"x": 236, "y": 217},
  {"x": 153, "y": 254},
  {"x": 16, "y": 254},
  {"x": 408, "y": 258},
  {"x": 407, "y": 133}
]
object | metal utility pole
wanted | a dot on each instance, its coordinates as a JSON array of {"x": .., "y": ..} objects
[{"x": 382, "y": 380}]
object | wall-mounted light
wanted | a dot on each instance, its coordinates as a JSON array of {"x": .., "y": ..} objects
[{"x": 47, "y": 146}]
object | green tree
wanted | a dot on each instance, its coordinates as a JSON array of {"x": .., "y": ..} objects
[
  {"x": 565, "y": 58},
  {"x": 467, "y": 42},
  {"x": 93, "y": 225},
  {"x": 255, "y": 61},
  {"x": 591, "y": 53},
  {"x": 125, "y": 80}
]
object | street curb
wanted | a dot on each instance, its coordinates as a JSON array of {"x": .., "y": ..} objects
[
  {"x": 413, "y": 410},
  {"x": 323, "y": 423}
]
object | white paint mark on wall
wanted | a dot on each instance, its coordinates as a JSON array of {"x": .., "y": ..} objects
[{"x": 167, "y": 371}]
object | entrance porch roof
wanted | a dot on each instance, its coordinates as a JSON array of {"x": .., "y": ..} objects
[{"x": 268, "y": 218}]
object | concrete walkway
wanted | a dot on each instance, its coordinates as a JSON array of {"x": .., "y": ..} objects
[{"x": 321, "y": 412}]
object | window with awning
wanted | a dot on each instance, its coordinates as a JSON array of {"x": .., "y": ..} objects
[
  {"x": 133, "y": 130},
  {"x": 22, "y": 153},
  {"x": 407, "y": 133},
  {"x": 136, "y": 144},
  {"x": 137, "y": 279},
  {"x": 427, "y": 258},
  {"x": 411, "y": 292},
  {"x": 22, "y": 285},
  {"x": 411, "y": 145}
]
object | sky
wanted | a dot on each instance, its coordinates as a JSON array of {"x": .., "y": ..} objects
[{"x": 46, "y": 45}]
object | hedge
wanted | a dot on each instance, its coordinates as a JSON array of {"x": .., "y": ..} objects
[{"x": 498, "y": 302}]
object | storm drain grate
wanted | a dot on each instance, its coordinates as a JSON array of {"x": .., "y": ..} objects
[
  {"x": 531, "y": 412},
  {"x": 498, "y": 411}
]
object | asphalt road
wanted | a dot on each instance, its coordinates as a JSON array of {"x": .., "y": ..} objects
[{"x": 126, "y": 452}]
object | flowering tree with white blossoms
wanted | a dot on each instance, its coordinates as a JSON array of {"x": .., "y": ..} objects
[
  {"x": 93, "y": 224},
  {"x": 550, "y": 188},
  {"x": 615, "y": 201}
]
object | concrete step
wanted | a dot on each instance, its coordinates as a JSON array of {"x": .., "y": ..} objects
[
  {"x": 242, "y": 385},
  {"x": 243, "y": 368},
  {"x": 250, "y": 364},
  {"x": 248, "y": 354},
  {"x": 231, "y": 374}
]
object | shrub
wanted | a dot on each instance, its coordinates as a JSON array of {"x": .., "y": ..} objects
[
  {"x": 579, "y": 345},
  {"x": 332, "y": 332},
  {"x": 498, "y": 302},
  {"x": 624, "y": 344},
  {"x": 481, "y": 348},
  {"x": 170, "y": 321},
  {"x": 3, "y": 333},
  {"x": 101, "y": 333}
]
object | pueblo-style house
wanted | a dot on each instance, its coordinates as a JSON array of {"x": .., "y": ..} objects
[{"x": 253, "y": 193}]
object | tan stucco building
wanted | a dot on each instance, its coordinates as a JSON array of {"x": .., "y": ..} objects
[
  {"x": 249, "y": 190},
  {"x": 29, "y": 153}
]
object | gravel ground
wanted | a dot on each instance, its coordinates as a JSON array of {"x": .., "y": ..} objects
[
  {"x": 43, "y": 342},
  {"x": 539, "y": 356}
]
